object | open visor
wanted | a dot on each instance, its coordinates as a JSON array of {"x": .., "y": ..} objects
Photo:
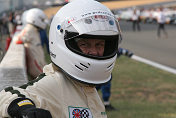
[{"x": 101, "y": 27}]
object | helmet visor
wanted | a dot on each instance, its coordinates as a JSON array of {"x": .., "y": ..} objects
[
  {"x": 94, "y": 25},
  {"x": 99, "y": 27}
]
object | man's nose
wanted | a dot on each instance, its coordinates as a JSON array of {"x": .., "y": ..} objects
[{"x": 93, "y": 51}]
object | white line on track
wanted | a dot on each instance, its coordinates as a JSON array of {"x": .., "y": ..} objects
[{"x": 155, "y": 64}]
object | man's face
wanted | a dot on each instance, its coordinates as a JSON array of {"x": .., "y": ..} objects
[{"x": 92, "y": 46}]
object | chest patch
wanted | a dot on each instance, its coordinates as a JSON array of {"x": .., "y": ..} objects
[{"x": 79, "y": 112}]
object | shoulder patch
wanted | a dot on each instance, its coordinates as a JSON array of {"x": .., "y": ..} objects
[{"x": 24, "y": 102}]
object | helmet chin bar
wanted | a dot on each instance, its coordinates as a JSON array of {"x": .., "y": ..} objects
[{"x": 68, "y": 75}]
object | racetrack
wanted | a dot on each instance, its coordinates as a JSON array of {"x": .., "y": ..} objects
[{"x": 146, "y": 44}]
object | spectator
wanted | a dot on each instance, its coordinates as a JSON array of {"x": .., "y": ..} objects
[
  {"x": 106, "y": 94},
  {"x": 11, "y": 24},
  {"x": 136, "y": 20},
  {"x": 36, "y": 20},
  {"x": 106, "y": 88},
  {"x": 161, "y": 20},
  {"x": 44, "y": 39}
]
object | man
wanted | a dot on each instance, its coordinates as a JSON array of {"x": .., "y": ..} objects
[
  {"x": 161, "y": 20},
  {"x": 34, "y": 20},
  {"x": 135, "y": 20},
  {"x": 106, "y": 94},
  {"x": 83, "y": 42},
  {"x": 44, "y": 39}
]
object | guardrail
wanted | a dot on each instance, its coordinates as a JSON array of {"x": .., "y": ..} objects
[
  {"x": 1, "y": 54},
  {"x": 13, "y": 67}
]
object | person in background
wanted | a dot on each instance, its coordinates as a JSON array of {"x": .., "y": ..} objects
[
  {"x": 11, "y": 23},
  {"x": 44, "y": 39},
  {"x": 125, "y": 52},
  {"x": 17, "y": 29},
  {"x": 106, "y": 88},
  {"x": 4, "y": 25},
  {"x": 161, "y": 20},
  {"x": 11, "y": 29},
  {"x": 35, "y": 20},
  {"x": 83, "y": 41},
  {"x": 136, "y": 20},
  {"x": 106, "y": 94}
]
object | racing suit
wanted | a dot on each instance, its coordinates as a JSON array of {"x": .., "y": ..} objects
[
  {"x": 34, "y": 51},
  {"x": 56, "y": 92}
]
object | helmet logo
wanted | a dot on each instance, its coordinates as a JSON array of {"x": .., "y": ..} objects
[
  {"x": 88, "y": 21},
  {"x": 58, "y": 27},
  {"x": 41, "y": 18},
  {"x": 111, "y": 22},
  {"x": 53, "y": 55},
  {"x": 69, "y": 20},
  {"x": 101, "y": 18}
]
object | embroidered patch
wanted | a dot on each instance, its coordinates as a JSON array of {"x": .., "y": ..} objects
[
  {"x": 103, "y": 113},
  {"x": 79, "y": 112},
  {"x": 88, "y": 21},
  {"x": 24, "y": 102}
]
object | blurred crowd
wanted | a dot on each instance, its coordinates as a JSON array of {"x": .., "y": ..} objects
[
  {"x": 148, "y": 15},
  {"x": 8, "y": 24},
  {"x": 18, "y": 26},
  {"x": 9, "y": 21}
]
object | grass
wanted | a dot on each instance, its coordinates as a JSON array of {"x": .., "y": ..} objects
[
  {"x": 141, "y": 91},
  {"x": 47, "y": 56}
]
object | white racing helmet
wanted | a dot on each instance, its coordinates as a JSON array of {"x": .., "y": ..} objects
[
  {"x": 23, "y": 17},
  {"x": 84, "y": 19},
  {"x": 36, "y": 17}
]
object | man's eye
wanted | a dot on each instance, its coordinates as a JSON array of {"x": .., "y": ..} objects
[
  {"x": 100, "y": 44},
  {"x": 83, "y": 45}
]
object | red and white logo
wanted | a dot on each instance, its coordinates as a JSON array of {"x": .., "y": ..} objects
[
  {"x": 101, "y": 18},
  {"x": 79, "y": 112}
]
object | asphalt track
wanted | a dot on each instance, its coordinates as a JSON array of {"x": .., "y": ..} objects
[{"x": 145, "y": 43}]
